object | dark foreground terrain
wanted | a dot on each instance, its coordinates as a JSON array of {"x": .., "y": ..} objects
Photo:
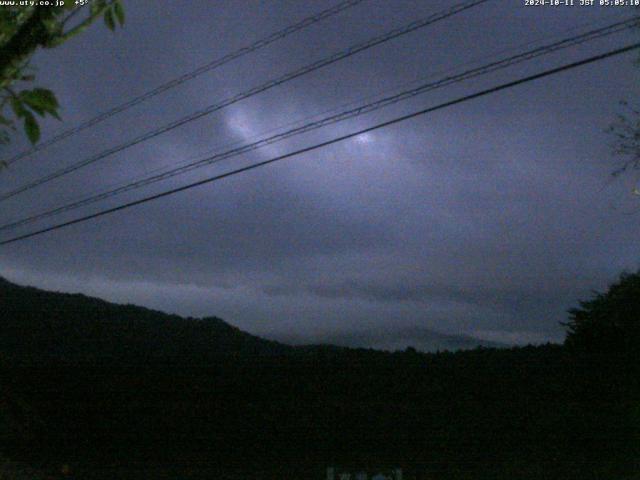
[{"x": 111, "y": 393}]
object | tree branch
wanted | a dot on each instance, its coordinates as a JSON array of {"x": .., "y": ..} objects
[{"x": 31, "y": 34}]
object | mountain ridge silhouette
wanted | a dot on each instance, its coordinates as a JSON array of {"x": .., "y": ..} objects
[{"x": 41, "y": 325}]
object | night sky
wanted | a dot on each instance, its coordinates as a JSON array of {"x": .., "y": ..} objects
[{"x": 490, "y": 218}]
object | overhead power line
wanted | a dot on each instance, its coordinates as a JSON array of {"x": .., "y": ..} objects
[
  {"x": 353, "y": 112},
  {"x": 317, "y": 146},
  {"x": 306, "y": 22},
  {"x": 395, "y": 33},
  {"x": 308, "y": 118}
]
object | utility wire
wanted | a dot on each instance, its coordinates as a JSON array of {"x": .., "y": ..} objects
[
  {"x": 307, "y": 118},
  {"x": 360, "y": 110},
  {"x": 340, "y": 7},
  {"x": 249, "y": 93},
  {"x": 317, "y": 146}
]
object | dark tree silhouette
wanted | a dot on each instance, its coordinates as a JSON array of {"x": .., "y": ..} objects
[
  {"x": 609, "y": 323},
  {"x": 118, "y": 391}
]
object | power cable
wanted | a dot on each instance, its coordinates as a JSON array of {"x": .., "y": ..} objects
[
  {"x": 254, "y": 91},
  {"x": 306, "y": 22},
  {"x": 317, "y": 146},
  {"x": 344, "y": 115}
]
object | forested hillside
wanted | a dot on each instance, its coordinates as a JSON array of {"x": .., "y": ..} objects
[
  {"x": 40, "y": 326},
  {"x": 258, "y": 409}
]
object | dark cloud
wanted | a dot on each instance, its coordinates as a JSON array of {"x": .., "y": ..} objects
[{"x": 490, "y": 218}]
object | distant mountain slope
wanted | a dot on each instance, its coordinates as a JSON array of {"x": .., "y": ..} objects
[
  {"x": 37, "y": 325},
  {"x": 422, "y": 339}
]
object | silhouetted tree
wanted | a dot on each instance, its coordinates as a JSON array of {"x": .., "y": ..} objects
[
  {"x": 609, "y": 323},
  {"x": 93, "y": 385}
]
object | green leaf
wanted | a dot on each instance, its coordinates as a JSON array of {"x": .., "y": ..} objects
[
  {"x": 118, "y": 9},
  {"x": 31, "y": 127},
  {"x": 108, "y": 19},
  {"x": 40, "y": 99},
  {"x": 18, "y": 107},
  {"x": 47, "y": 96},
  {"x": 35, "y": 107},
  {"x": 96, "y": 6},
  {"x": 55, "y": 114},
  {"x": 38, "y": 110}
]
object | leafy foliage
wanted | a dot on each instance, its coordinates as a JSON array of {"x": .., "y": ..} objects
[
  {"x": 609, "y": 323},
  {"x": 39, "y": 101},
  {"x": 23, "y": 30}
]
